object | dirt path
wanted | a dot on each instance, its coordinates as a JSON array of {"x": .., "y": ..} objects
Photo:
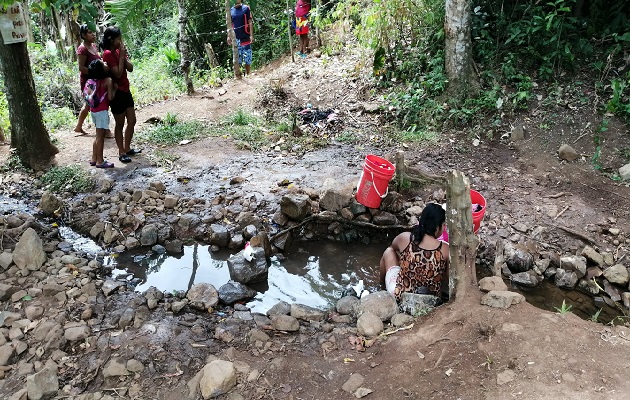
[{"x": 461, "y": 351}]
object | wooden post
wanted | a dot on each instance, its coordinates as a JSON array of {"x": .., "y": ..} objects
[
  {"x": 290, "y": 38},
  {"x": 232, "y": 38},
  {"x": 463, "y": 242},
  {"x": 319, "y": 40},
  {"x": 212, "y": 58},
  {"x": 400, "y": 169},
  {"x": 499, "y": 259}
]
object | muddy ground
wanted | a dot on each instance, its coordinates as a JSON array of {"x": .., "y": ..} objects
[{"x": 463, "y": 350}]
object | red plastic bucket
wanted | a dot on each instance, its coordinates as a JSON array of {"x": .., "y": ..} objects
[
  {"x": 374, "y": 181},
  {"x": 477, "y": 198}
]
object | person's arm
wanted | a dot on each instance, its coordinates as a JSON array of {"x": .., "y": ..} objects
[
  {"x": 111, "y": 89},
  {"x": 128, "y": 64},
  {"x": 250, "y": 25},
  {"x": 401, "y": 241},
  {"x": 82, "y": 61},
  {"x": 118, "y": 69}
]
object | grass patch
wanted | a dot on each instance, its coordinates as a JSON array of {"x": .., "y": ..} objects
[
  {"x": 70, "y": 178},
  {"x": 419, "y": 135},
  {"x": 171, "y": 131},
  {"x": 241, "y": 118},
  {"x": 13, "y": 164},
  {"x": 163, "y": 159},
  {"x": 58, "y": 117}
]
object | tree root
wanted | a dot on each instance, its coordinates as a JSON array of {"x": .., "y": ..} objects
[{"x": 14, "y": 234}]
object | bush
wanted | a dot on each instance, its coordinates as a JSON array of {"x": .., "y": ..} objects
[{"x": 71, "y": 178}]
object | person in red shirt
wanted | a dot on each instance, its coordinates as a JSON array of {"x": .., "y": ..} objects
[
  {"x": 302, "y": 12},
  {"x": 86, "y": 53},
  {"x": 122, "y": 106},
  {"x": 103, "y": 93}
]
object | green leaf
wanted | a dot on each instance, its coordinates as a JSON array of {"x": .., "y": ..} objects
[{"x": 27, "y": 298}]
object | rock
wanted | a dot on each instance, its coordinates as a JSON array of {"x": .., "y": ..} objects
[
  {"x": 353, "y": 383},
  {"x": 244, "y": 271},
  {"x": 358, "y": 208},
  {"x": 295, "y": 206},
  {"x": 517, "y": 259},
  {"x": 174, "y": 246},
  {"x": 540, "y": 266},
  {"x": 588, "y": 286},
  {"x": 281, "y": 308},
  {"x": 576, "y": 264},
  {"x": 218, "y": 235},
  {"x": 612, "y": 291},
  {"x": 193, "y": 386},
  {"x": 115, "y": 367},
  {"x": 256, "y": 334},
  {"x": 283, "y": 241},
  {"x": 490, "y": 283},
  {"x": 178, "y": 306},
  {"x": 592, "y": 255},
  {"x": 218, "y": 378},
  {"x": 624, "y": 172},
  {"x": 384, "y": 218},
  {"x": 262, "y": 240},
  {"x": 149, "y": 235},
  {"x": 347, "y": 305},
  {"x": 506, "y": 376},
  {"x": 617, "y": 274},
  {"x": 362, "y": 392},
  {"x": 233, "y": 291},
  {"x": 50, "y": 334},
  {"x": 135, "y": 366},
  {"x": 127, "y": 317},
  {"x": 6, "y": 259},
  {"x": 29, "y": 251},
  {"x": 625, "y": 298},
  {"x": 334, "y": 196},
  {"x": 110, "y": 286},
  {"x": 520, "y": 227},
  {"x": 77, "y": 333},
  {"x": 6, "y": 291},
  {"x": 369, "y": 324},
  {"x": 6, "y": 352},
  {"x": 401, "y": 320},
  {"x": 501, "y": 299},
  {"x": 34, "y": 312},
  {"x": 418, "y": 304},
  {"x": 52, "y": 289},
  {"x": 394, "y": 202},
  {"x": 285, "y": 323},
  {"x": 527, "y": 279},
  {"x": 203, "y": 296},
  {"x": 170, "y": 201},
  {"x": 306, "y": 313},
  {"x": 565, "y": 279},
  {"x": 382, "y": 304},
  {"x": 157, "y": 186},
  {"x": 593, "y": 272},
  {"x": 567, "y": 153},
  {"x": 50, "y": 204},
  {"x": 42, "y": 385}
]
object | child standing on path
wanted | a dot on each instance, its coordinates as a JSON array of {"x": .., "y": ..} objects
[
  {"x": 99, "y": 91},
  {"x": 302, "y": 12},
  {"x": 115, "y": 55},
  {"x": 86, "y": 53}
]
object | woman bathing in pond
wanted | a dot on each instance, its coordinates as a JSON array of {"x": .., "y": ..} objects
[{"x": 417, "y": 261}]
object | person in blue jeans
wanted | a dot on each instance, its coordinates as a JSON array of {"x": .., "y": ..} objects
[{"x": 244, "y": 32}]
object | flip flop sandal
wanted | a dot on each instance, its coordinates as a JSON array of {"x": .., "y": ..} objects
[
  {"x": 133, "y": 152},
  {"x": 105, "y": 165},
  {"x": 92, "y": 163},
  {"x": 124, "y": 158}
]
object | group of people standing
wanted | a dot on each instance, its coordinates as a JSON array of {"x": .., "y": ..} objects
[
  {"x": 242, "y": 23},
  {"x": 108, "y": 71}
]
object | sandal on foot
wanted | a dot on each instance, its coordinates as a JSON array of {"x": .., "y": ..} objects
[
  {"x": 92, "y": 163},
  {"x": 133, "y": 152},
  {"x": 105, "y": 165},
  {"x": 124, "y": 158}
]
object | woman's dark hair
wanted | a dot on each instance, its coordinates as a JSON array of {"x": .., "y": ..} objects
[
  {"x": 111, "y": 33},
  {"x": 83, "y": 29},
  {"x": 432, "y": 217},
  {"x": 96, "y": 70}
]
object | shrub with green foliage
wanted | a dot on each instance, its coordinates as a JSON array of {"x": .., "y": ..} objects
[
  {"x": 72, "y": 178},
  {"x": 171, "y": 131}
]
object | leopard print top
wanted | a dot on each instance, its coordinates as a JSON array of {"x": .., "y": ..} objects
[{"x": 420, "y": 267}]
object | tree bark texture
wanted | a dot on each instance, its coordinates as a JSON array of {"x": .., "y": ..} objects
[
  {"x": 232, "y": 36},
  {"x": 458, "y": 51},
  {"x": 183, "y": 44},
  {"x": 28, "y": 134},
  {"x": 463, "y": 242}
]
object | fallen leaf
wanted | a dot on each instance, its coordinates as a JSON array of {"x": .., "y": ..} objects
[
  {"x": 348, "y": 360},
  {"x": 449, "y": 372}
]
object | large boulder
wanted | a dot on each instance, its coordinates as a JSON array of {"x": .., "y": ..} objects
[
  {"x": 244, "y": 271},
  {"x": 517, "y": 259},
  {"x": 218, "y": 378},
  {"x": 501, "y": 299},
  {"x": 50, "y": 204},
  {"x": 233, "y": 291},
  {"x": 42, "y": 385},
  {"x": 382, "y": 304},
  {"x": 617, "y": 274},
  {"x": 369, "y": 324},
  {"x": 296, "y": 206},
  {"x": 333, "y": 196},
  {"x": 203, "y": 296},
  {"x": 576, "y": 264},
  {"x": 29, "y": 251}
]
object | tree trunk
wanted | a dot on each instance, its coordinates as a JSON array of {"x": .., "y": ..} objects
[
  {"x": 212, "y": 57},
  {"x": 463, "y": 242},
  {"x": 28, "y": 134},
  {"x": 462, "y": 81},
  {"x": 232, "y": 36},
  {"x": 183, "y": 44}
]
